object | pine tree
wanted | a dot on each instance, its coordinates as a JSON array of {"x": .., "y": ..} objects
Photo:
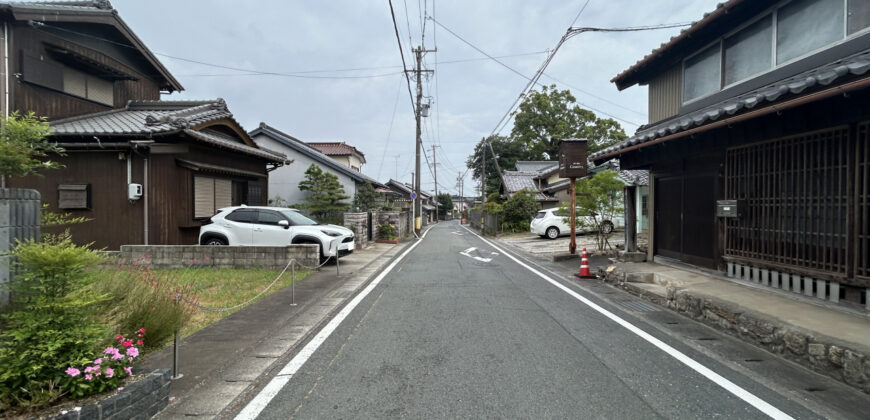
[
  {"x": 325, "y": 191},
  {"x": 366, "y": 198}
]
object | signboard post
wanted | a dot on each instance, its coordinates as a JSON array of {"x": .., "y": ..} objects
[{"x": 572, "y": 165}]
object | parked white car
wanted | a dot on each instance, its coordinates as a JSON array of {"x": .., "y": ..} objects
[
  {"x": 551, "y": 223},
  {"x": 273, "y": 226}
]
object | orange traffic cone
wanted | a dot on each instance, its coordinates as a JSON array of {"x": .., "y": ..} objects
[{"x": 584, "y": 267}]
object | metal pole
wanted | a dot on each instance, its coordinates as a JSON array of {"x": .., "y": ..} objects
[
  {"x": 417, "y": 201},
  {"x": 572, "y": 246},
  {"x": 435, "y": 168},
  {"x": 175, "y": 374},
  {"x": 337, "y": 272},
  {"x": 293, "y": 283}
]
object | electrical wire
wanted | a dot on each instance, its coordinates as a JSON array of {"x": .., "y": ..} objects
[
  {"x": 390, "y": 130},
  {"x": 402, "y": 53}
]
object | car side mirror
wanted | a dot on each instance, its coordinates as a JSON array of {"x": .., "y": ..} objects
[{"x": 284, "y": 223}]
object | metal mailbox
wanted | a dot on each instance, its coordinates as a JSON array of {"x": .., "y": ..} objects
[
  {"x": 572, "y": 158},
  {"x": 729, "y": 208}
]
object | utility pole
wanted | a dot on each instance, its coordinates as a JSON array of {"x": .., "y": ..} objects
[
  {"x": 435, "y": 168},
  {"x": 483, "y": 179},
  {"x": 418, "y": 72}
]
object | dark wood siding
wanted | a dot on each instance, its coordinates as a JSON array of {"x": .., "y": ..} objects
[
  {"x": 115, "y": 221},
  {"x": 54, "y": 104}
]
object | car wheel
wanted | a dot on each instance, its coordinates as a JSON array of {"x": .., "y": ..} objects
[
  {"x": 215, "y": 241},
  {"x": 552, "y": 232},
  {"x": 606, "y": 227}
]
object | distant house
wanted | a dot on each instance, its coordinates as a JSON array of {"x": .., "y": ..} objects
[
  {"x": 758, "y": 145},
  {"x": 146, "y": 171},
  {"x": 343, "y": 153},
  {"x": 284, "y": 182},
  {"x": 405, "y": 203}
]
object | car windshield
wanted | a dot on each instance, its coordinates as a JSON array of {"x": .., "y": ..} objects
[{"x": 297, "y": 219}]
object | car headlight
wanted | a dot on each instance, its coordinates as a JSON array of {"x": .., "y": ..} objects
[{"x": 328, "y": 233}]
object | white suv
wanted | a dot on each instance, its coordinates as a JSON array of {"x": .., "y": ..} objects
[
  {"x": 551, "y": 223},
  {"x": 272, "y": 226}
]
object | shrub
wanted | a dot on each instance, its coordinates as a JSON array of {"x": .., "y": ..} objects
[
  {"x": 492, "y": 207},
  {"x": 387, "y": 231},
  {"x": 520, "y": 208},
  {"x": 142, "y": 297},
  {"x": 51, "y": 325},
  {"x": 104, "y": 373}
]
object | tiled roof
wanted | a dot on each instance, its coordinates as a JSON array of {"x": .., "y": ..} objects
[
  {"x": 305, "y": 149},
  {"x": 156, "y": 118},
  {"x": 855, "y": 65},
  {"x": 534, "y": 165},
  {"x": 557, "y": 186},
  {"x": 516, "y": 181},
  {"x": 335, "y": 148},
  {"x": 91, "y": 6},
  {"x": 635, "y": 177},
  {"x": 143, "y": 117}
]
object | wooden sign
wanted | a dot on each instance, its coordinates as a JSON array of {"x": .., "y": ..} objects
[{"x": 572, "y": 158}]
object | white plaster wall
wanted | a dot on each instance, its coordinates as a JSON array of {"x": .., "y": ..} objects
[{"x": 284, "y": 181}]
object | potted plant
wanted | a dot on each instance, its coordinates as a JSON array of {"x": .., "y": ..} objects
[{"x": 387, "y": 234}]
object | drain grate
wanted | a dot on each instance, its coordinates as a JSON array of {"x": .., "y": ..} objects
[
  {"x": 638, "y": 306},
  {"x": 815, "y": 389}
]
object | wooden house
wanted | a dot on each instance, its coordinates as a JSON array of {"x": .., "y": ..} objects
[
  {"x": 758, "y": 145},
  {"x": 145, "y": 171}
]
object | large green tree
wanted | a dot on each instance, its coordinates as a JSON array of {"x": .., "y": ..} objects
[
  {"x": 326, "y": 193},
  {"x": 446, "y": 204},
  {"x": 366, "y": 198},
  {"x": 508, "y": 153},
  {"x": 552, "y": 113}
]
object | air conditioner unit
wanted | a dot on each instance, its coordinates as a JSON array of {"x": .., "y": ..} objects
[{"x": 134, "y": 191}]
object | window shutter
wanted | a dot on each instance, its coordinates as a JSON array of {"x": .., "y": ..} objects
[
  {"x": 75, "y": 82},
  {"x": 223, "y": 193},
  {"x": 203, "y": 197},
  {"x": 101, "y": 91}
]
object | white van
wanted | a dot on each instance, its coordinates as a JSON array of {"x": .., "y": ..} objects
[{"x": 551, "y": 223}]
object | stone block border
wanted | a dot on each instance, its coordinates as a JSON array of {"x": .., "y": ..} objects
[
  {"x": 819, "y": 353},
  {"x": 141, "y": 399},
  {"x": 183, "y": 256}
]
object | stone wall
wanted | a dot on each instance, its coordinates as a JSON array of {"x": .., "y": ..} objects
[
  {"x": 400, "y": 219},
  {"x": 141, "y": 399},
  {"x": 819, "y": 353},
  {"x": 19, "y": 220},
  {"x": 358, "y": 223},
  {"x": 176, "y": 256}
]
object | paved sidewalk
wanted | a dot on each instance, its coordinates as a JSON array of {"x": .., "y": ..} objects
[{"x": 222, "y": 361}]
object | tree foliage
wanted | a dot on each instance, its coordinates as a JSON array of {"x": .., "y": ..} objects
[
  {"x": 508, "y": 152},
  {"x": 520, "y": 208},
  {"x": 446, "y": 203},
  {"x": 366, "y": 198},
  {"x": 325, "y": 192},
  {"x": 599, "y": 198},
  {"x": 551, "y": 113},
  {"x": 24, "y": 145}
]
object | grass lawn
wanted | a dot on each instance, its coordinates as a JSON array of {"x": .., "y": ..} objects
[{"x": 211, "y": 287}]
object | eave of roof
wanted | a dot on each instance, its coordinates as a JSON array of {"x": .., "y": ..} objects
[
  {"x": 301, "y": 147},
  {"x": 723, "y": 18},
  {"x": 97, "y": 11},
  {"x": 776, "y": 97}
]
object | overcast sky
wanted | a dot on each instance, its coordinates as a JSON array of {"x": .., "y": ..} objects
[{"x": 370, "y": 107}]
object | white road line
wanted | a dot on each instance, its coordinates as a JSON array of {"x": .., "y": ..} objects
[
  {"x": 729, "y": 386},
  {"x": 262, "y": 399},
  {"x": 468, "y": 252}
]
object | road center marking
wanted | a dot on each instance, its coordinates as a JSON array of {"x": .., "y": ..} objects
[
  {"x": 261, "y": 400},
  {"x": 468, "y": 252},
  {"x": 708, "y": 373}
]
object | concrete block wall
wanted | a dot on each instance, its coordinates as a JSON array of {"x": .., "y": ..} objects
[
  {"x": 141, "y": 399},
  {"x": 400, "y": 219},
  {"x": 20, "y": 211},
  {"x": 177, "y": 256},
  {"x": 358, "y": 223}
]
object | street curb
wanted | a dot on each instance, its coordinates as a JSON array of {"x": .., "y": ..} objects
[{"x": 263, "y": 378}]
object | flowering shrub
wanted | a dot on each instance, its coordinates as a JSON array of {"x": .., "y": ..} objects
[{"x": 106, "y": 371}]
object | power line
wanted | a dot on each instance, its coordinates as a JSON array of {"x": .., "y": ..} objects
[
  {"x": 402, "y": 53},
  {"x": 390, "y": 130}
]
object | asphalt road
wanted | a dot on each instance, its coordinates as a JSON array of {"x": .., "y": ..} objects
[{"x": 451, "y": 332}]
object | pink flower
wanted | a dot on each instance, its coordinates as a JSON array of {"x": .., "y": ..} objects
[
  {"x": 117, "y": 356},
  {"x": 129, "y": 370},
  {"x": 73, "y": 372},
  {"x": 132, "y": 352},
  {"x": 89, "y": 369},
  {"x": 98, "y": 361},
  {"x": 141, "y": 331},
  {"x": 89, "y": 377},
  {"x": 128, "y": 343},
  {"x": 111, "y": 350},
  {"x": 139, "y": 342},
  {"x": 110, "y": 372}
]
